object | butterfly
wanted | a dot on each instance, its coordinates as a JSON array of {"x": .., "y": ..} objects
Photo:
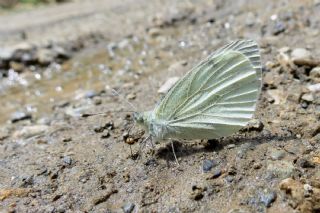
[{"x": 216, "y": 98}]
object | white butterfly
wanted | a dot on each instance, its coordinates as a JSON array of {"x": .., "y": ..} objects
[{"x": 214, "y": 99}]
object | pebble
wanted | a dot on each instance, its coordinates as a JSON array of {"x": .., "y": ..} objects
[
  {"x": 128, "y": 207},
  {"x": 267, "y": 197},
  {"x": 308, "y": 97},
  {"x": 167, "y": 85},
  {"x": 278, "y": 28},
  {"x": 18, "y": 116},
  {"x": 30, "y": 131},
  {"x": 67, "y": 160},
  {"x": 303, "y": 57},
  {"x": 6, "y": 54},
  {"x": 315, "y": 74},
  {"x": 90, "y": 94},
  {"x": 280, "y": 169},
  {"x": 154, "y": 32},
  {"x": 314, "y": 88},
  {"x": 276, "y": 154},
  {"x": 300, "y": 54},
  {"x": 230, "y": 146},
  {"x": 207, "y": 165},
  {"x": 178, "y": 67},
  {"x": 304, "y": 163},
  {"x": 256, "y": 125},
  {"x": 16, "y": 66},
  {"x": 45, "y": 56}
]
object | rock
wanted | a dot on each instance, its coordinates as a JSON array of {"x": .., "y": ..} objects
[
  {"x": 207, "y": 165},
  {"x": 30, "y": 131},
  {"x": 303, "y": 198},
  {"x": 279, "y": 27},
  {"x": 305, "y": 163},
  {"x": 255, "y": 125},
  {"x": 303, "y": 57},
  {"x": 276, "y": 154},
  {"x": 267, "y": 197},
  {"x": 67, "y": 160},
  {"x": 16, "y": 66},
  {"x": 4, "y": 133},
  {"x": 45, "y": 56},
  {"x": 90, "y": 94},
  {"x": 128, "y": 208},
  {"x": 167, "y": 85},
  {"x": 278, "y": 96},
  {"x": 300, "y": 54},
  {"x": 178, "y": 67},
  {"x": 230, "y": 146},
  {"x": 314, "y": 88},
  {"x": 280, "y": 169},
  {"x": 315, "y": 74},
  {"x": 308, "y": 97},
  {"x": 6, "y": 54},
  {"x": 154, "y": 32},
  {"x": 19, "y": 116}
]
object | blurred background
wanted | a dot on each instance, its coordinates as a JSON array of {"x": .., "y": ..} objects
[{"x": 61, "y": 58}]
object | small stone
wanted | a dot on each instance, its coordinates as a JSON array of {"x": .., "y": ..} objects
[
  {"x": 304, "y": 163},
  {"x": 300, "y": 53},
  {"x": 280, "y": 169},
  {"x": 128, "y": 208},
  {"x": 314, "y": 88},
  {"x": 105, "y": 135},
  {"x": 278, "y": 28},
  {"x": 267, "y": 197},
  {"x": 308, "y": 97},
  {"x": 178, "y": 67},
  {"x": 6, "y": 54},
  {"x": 18, "y": 116},
  {"x": 131, "y": 96},
  {"x": 303, "y": 57},
  {"x": 67, "y": 160},
  {"x": 90, "y": 94},
  {"x": 16, "y": 66},
  {"x": 154, "y": 32},
  {"x": 208, "y": 165},
  {"x": 168, "y": 85},
  {"x": 255, "y": 124},
  {"x": 97, "y": 101},
  {"x": 30, "y": 131},
  {"x": 67, "y": 139},
  {"x": 46, "y": 56},
  {"x": 315, "y": 74},
  {"x": 278, "y": 96},
  {"x": 276, "y": 154},
  {"x": 257, "y": 165},
  {"x": 230, "y": 146}
]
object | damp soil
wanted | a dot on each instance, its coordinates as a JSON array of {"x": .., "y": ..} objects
[{"x": 54, "y": 160}]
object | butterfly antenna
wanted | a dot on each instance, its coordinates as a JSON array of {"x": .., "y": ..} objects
[{"x": 124, "y": 99}]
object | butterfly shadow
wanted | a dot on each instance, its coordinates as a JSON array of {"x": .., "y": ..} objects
[{"x": 183, "y": 149}]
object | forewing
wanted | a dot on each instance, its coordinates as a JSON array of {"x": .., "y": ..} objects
[{"x": 217, "y": 97}]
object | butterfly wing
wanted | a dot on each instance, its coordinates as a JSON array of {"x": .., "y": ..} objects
[{"x": 217, "y": 97}]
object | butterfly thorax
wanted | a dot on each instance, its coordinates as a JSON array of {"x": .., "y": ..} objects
[{"x": 158, "y": 129}]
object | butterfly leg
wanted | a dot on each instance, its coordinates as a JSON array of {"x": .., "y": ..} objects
[{"x": 174, "y": 153}]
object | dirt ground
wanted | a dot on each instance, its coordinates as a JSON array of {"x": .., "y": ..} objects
[{"x": 54, "y": 160}]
